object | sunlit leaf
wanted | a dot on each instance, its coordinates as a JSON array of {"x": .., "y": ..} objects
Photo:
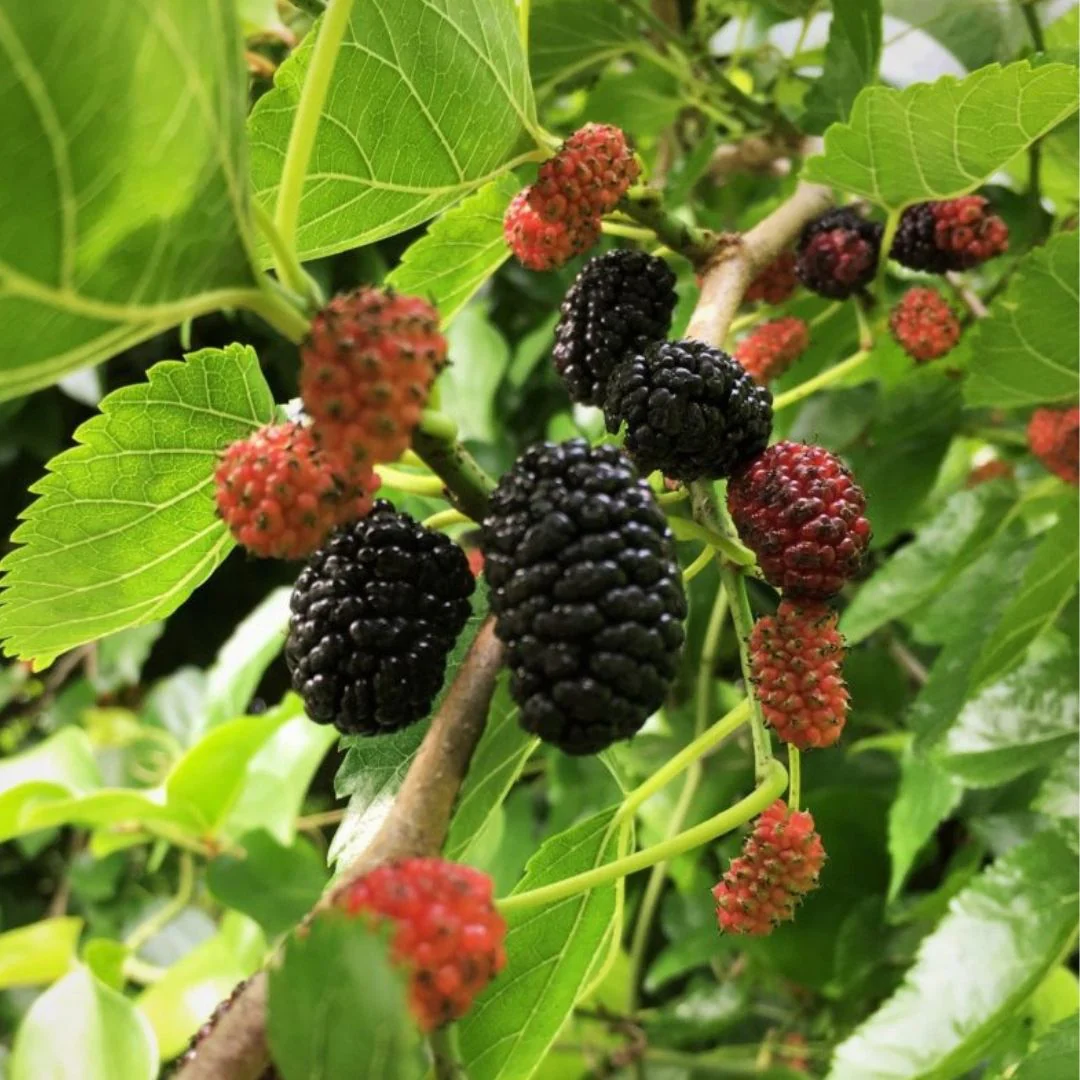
[{"x": 38, "y": 953}]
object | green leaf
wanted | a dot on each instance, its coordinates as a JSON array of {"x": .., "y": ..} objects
[
  {"x": 645, "y": 100},
  {"x": 120, "y": 657},
  {"x": 338, "y": 1006},
  {"x": 920, "y": 569},
  {"x": 479, "y": 357},
  {"x": 39, "y": 953},
  {"x": 125, "y": 526},
  {"x": 460, "y": 251},
  {"x": 1048, "y": 583},
  {"x": 1024, "y": 352},
  {"x": 851, "y": 62},
  {"x": 272, "y": 884},
  {"x": 975, "y": 32},
  {"x": 1001, "y": 937},
  {"x": 1059, "y": 796},
  {"x": 926, "y": 796},
  {"x": 131, "y": 206},
  {"x": 79, "y": 1029},
  {"x": 431, "y": 100},
  {"x": 241, "y": 661},
  {"x": 1054, "y": 1058},
  {"x": 1017, "y": 723},
  {"x": 497, "y": 763},
  {"x": 940, "y": 140},
  {"x": 550, "y": 954},
  {"x": 568, "y": 38}
]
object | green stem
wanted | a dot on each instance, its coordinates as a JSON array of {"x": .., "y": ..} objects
[
  {"x": 1000, "y": 436},
  {"x": 820, "y": 381},
  {"x": 169, "y": 910},
  {"x": 285, "y": 256},
  {"x": 413, "y": 483},
  {"x": 467, "y": 484},
  {"x": 769, "y": 789},
  {"x": 892, "y": 223},
  {"x": 824, "y": 316},
  {"x": 794, "y": 761},
  {"x": 629, "y": 232},
  {"x": 305, "y": 125},
  {"x": 272, "y": 304},
  {"x": 728, "y": 546},
  {"x": 1034, "y": 27},
  {"x": 445, "y": 518},
  {"x": 139, "y": 971},
  {"x": 670, "y": 498},
  {"x": 523, "y": 24},
  {"x": 314, "y": 8},
  {"x": 699, "y": 564},
  {"x": 866, "y": 331},
  {"x": 646, "y": 205},
  {"x": 445, "y": 1056}
]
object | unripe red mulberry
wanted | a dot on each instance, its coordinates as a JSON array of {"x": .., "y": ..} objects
[
  {"x": 956, "y": 234},
  {"x": 1052, "y": 436},
  {"x": 780, "y": 863},
  {"x": 447, "y": 931},
  {"x": 366, "y": 369},
  {"x": 924, "y": 324},
  {"x": 771, "y": 348},
  {"x": 795, "y": 665},
  {"x": 281, "y": 497},
  {"x": 776, "y": 283},
  {"x": 587, "y": 177},
  {"x": 545, "y": 245}
]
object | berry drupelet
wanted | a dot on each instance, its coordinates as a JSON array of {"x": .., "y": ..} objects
[
  {"x": 690, "y": 410},
  {"x": 586, "y": 594},
  {"x": 956, "y": 234},
  {"x": 545, "y": 245},
  {"x": 838, "y": 253},
  {"x": 619, "y": 303},
  {"x": 924, "y": 325},
  {"x": 375, "y": 613},
  {"x": 771, "y": 348},
  {"x": 1053, "y": 437},
  {"x": 800, "y": 511},
  {"x": 776, "y": 283}
]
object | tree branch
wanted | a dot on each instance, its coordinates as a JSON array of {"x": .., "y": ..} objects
[{"x": 236, "y": 1048}]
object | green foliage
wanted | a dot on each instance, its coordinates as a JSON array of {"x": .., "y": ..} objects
[
  {"x": 851, "y": 60},
  {"x": 568, "y": 39},
  {"x": 39, "y": 953}
]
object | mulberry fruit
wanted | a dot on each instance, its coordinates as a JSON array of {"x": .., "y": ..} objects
[
  {"x": 545, "y": 245},
  {"x": 1052, "y": 436},
  {"x": 838, "y": 253},
  {"x": 770, "y": 349},
  {"x": 795, "y": 665},
  {"x": 374, "y": 615},
  {"x": 447, "y": 932},
  {"x": 690, "y": 410},
  {"x": 280, "y": 496},
  {"x": 994, "y": 469},
  {"x": 801, "y": 512},
  {"x": 953, "y": 235},
  {"x": 924, "y": 324},
  {"x": 586, "y": 594},
  {"x": 776, "y": 283},
  {"x": 366, "y": 369},
  {"x": 780, "y": 864},
  {"x": 619, "y": 303}
]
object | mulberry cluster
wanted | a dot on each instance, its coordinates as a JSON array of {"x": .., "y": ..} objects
[
  {"x": 776, "y": 283},
  {"x": 366, "y": 369},
  {"x": 801, "y": 512},
  {"x": 281, "y": 496},
  {"x": 446, "y": 931},
  {"x": 924, "y": 324},
  {"x": 771, "y": 348},
  {"x": 795, "y": 665},
  {"x": 1053, "y": 437},
  {"x": 838, "y": 253},
  {"x": 779, "y": 865},
  {"x": 375, "y": 613},
  {"x": 558, "y": 216},
  {"x": 586, "y": 594},
  {"x": 619, "y": 303},
  {"x": 690, "y": 410},
  {"x": 953, "y": 235}
]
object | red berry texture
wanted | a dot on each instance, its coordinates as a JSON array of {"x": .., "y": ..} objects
[
  {"x": 545, "y": 245},
  {"x": 795, "y": 664},
  {"x": 924, "y": 324},
  {"x": 780, "y": 863},
  {"x": 800, "y": 511},
  {"x": 1053, "y": 438},
  {"x": 771, "y": 348},
  {"x": 281, "y": 496},
  {"x": 366, "y": 370},
  {"x": 447, "y": 932},
  {"x": 776, "y": 283}
]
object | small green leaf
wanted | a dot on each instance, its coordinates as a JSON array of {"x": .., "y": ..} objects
[
  {"x": 568, "y": 38},
  {"x": 132, "y": 207},
  {"x": 431, "y": 100},
  {"x": 1059, "y": 796},
  {"x": 1054, "y": 1058},
  {"x": 851, "y": 62},
  {"x": 975, "y": 32},
  {"x": 1024, "y": 352},
  {"x": 38, "y": 953},
  {"x": 460, "y": 251},
  {"x": 926, "y": 796},
  {"x": 105, "y": 958},
  {"x": 940, "y": 140},
  {"x": 125, "y": 526},
  {"x": 1001, "y": 937},
  {"x": 479, "y": 357},
  {"x": 338, "y": 1006},
  {"x": 1048, "y": 583},
  {"x": 79, "y": 1029},
  {"x": 272, "y": 884},
  {"x": 120, "y": 657},
  {"x": 1016, "y": 723},
  {"x": 550, "y": 954}
]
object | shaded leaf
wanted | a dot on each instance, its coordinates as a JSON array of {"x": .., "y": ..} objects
[
  {"x": 479, "y": 357},
  {"x": 851, "y": 61},
  {"x": 645, "y": 100},
  {"x": 1059, "y": 796},
  {"x": 1054, "y": 1058},
  {"x": 125, "y": 526},
  {"x": 568, "y": 38}
]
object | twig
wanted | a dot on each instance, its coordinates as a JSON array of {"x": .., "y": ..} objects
[
  {"x": 967, "y": 295},
  {"x": 646, "y": 206},
  {"x": 236, "y": 1049}
]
